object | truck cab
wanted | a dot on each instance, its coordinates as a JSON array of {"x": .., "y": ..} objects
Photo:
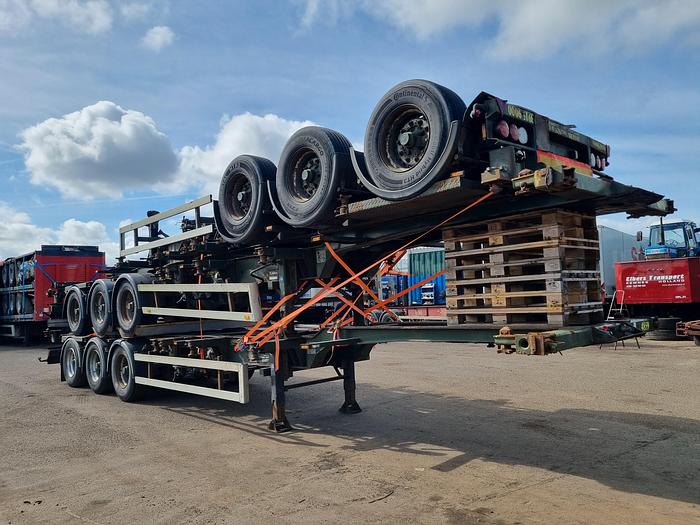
[{"x": 674, "y": 239}]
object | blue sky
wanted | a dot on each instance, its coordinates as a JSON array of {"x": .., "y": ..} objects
[{"x": 196, "y": 79}]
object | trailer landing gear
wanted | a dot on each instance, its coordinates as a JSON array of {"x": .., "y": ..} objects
[
  {"x": 350, "y": 405},
  {"x": 279, "y": 422}
]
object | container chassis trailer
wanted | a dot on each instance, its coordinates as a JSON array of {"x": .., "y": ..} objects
[{"x": 279, "y": 279}]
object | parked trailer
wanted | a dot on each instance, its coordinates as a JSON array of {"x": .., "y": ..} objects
[
  {"x": 280, "y": 279},
  {"x": 32, "y": 287}
]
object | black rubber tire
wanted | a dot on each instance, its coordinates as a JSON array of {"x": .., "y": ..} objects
[
  {"x": 246, "y": 226},
  {"x": 335, "y": 172},
  {"x": 440, "y": 106},
  {"x": 123, "y": 370},
  {"x": 100, "y": 306},
  {"x": 129, "y": 319},
  {"x": 97, "y": 373},
  {"x": 667, "y": 323},
  {"x": 72, "y": 361},
  {"x": 696, "y": 340},
  {"x": 76, "y": 312}
]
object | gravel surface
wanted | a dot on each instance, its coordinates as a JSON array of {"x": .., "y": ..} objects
[{"x": 449, "y": 434}]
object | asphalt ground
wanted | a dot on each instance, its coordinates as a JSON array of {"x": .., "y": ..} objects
[{"x": 449, "y": 434}]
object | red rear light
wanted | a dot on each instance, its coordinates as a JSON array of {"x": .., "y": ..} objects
[{"x": 502, "y": 129}]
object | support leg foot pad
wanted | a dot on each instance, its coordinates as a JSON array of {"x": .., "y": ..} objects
[
  {"x": 350, "y": 408},
  {"x": 280, "y": 426}
]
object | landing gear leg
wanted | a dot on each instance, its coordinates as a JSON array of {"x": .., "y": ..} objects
[
  {"x": 279, "y": 421},
  {"x": 350, "y": 405}
]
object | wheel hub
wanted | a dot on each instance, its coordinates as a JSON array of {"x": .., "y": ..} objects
[
  {"x": 306, "y": 177},
  {"x": 406, "y": 138}
]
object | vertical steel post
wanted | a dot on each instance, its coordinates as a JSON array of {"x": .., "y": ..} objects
[
  {"x": 350, "y": 405},
  {"x": 279, "y": 422}
]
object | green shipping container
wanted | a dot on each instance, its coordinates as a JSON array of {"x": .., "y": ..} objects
[{"x": 423, "y": 262}]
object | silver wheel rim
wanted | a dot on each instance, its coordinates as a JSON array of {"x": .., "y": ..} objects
[
  {"x": 71, "y": 362},
  {"x": 123, "y": 371},
  {"x": 127, "y": 306},
  {"x": 94, "y": 366},
  {"x": 99, "y": 308}
]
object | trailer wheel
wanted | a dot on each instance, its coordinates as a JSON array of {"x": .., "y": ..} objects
[
  {"x": 313, "y": 168},
  {"x": 407, "y": 140},
  {"x": 75, "y": 310},
  {"x": 128, "y": 308},
  {"x": 244, "y": 202},
  {"x": 123, "y": 372},
  {"x": 96, "y": 371},
  {"x": 100, "y": 306},
  {"x": 72, "y": 364}
]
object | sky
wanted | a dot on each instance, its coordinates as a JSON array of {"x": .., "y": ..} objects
[{"x": 112, "y": 108}]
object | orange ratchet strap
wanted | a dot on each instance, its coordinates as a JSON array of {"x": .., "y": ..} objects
[{"x": 328, "y": 291}]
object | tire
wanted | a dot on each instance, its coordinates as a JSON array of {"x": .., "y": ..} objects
[
  {"x": 100, "y": 306},
  {"x": 244, "y": 202},
  {"x": 123, "y": 370},
  {"x": 667, "y": 323},
  {"x": 406, "y": 140},
  {"x": 97, "y": 372},
  {"x": 76, "y": 311},
  {"x": 72, "y": 364},
  {"x": 696, "y": 340},
  {"x": 313, "y": 168},
  {"x": 128, "y": 303}
]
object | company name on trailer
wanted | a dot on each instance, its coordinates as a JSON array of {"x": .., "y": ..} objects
[{"x": 637, "y": 281}]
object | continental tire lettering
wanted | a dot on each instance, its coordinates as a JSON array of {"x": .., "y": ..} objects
[{"x": 409, "y": 93}]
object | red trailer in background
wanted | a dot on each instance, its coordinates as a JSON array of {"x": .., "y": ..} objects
[
  {"x": 660, "y": 282},
  {"x": 32, "y": 285}
]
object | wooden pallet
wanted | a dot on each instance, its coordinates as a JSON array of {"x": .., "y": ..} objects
[{"x": 533, "y": 268}]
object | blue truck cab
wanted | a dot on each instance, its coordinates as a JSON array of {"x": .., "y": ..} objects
[{"x": 673, "y": 239}]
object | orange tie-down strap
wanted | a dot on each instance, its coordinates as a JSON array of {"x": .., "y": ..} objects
[
  {"x": 284, "y": 321},
  {"x": 382, "y": 304},
  {"x": 358, "y": 281}
]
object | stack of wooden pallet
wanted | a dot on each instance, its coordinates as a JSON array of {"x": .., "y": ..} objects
[{"x": 537, "y": 268}]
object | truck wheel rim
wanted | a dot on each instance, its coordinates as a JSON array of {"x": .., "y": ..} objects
[
  {"x": 73, "y": 310},
  {"x": 71, "y": 363},
  {"x": 123, "y": 372},
  {"x": 405, "y": 137},
  {"x": 94, "y": 366},
  {"x": 99, "y": 308},
  {"x": 306, "y": 176},
  {"x": 127, "y": 306},
  {"x": 240, "y": 197}
]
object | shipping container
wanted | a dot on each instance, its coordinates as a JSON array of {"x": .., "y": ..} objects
[
  {"x": 422, "y": 263},
  {"x": 616, "y": 246}
]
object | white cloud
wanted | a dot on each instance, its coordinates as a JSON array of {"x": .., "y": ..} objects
[
  {"x": 135, "y": 10},
  {"x": 100, "y": 151},
  {"x": 264, "y": 136},
  {"x": 534, "y": 28},
  {"x": 88, "y": 16},
  {"x": 104, "y": 150},
  {"x": 14, "y": 14},
  {"x": 157, "y": 38},
  {"x": 19, "y": 235}
]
